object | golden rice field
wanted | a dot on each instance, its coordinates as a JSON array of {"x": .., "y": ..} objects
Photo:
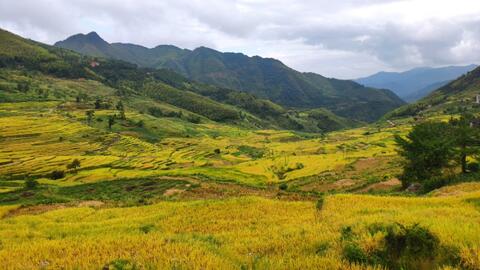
[
  {"x": 237, "y": 233},
  {"x": 38, "y": 137},
  {"x": 246, "y": 222}
]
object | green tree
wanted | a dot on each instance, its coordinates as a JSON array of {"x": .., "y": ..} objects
[
  {"x": 74, "y": 165},
  {"x": 98, "y": 104},
  {"x": 428, "y": 149},
  {"x": 111, "y": 121},
  {"x": 90, "y": 114},
  {"x": 121, "y": 110},
  {"x": 467, "y": 138}
]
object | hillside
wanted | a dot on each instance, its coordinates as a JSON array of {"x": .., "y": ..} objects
[
  {"x": 417, "y": 83},
  {"x": 264, "y": 77},
  {"x": 453, "y": 98},
  {"x": 138, "y": 168},
  {"x": 189, "y": 101}
]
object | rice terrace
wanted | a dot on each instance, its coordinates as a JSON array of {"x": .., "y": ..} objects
[{"x": 124, "y": 156}]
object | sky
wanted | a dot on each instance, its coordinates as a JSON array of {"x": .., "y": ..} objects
[{"x": 336, "y": 38}]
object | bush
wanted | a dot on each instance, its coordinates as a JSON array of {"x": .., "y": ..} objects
[
  {"x": 283, "y": 186},
  {"x": 353, "y": 253},
  {"x": 409, "y": 247},
  {"x": 319, "y": 204},
  {"x": 473, "y": 167},
  {"x": 402, "y": 247},
  {"x": 55, "y": 175},
  {"x": 31, "y": 184}
]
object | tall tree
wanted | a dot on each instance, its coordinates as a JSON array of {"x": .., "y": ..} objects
[
  {"x": 467, "y": 138},
  {"x": 428, "y": 149}
]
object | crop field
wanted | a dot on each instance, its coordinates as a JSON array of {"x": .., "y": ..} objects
[
  {"x": 237, "y": 233},
  {"x": 40, "y": 137},
  {"x": 209, "y": 198}
]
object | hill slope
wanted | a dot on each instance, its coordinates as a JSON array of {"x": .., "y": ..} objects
[
  {"x": 455, "y": 97},
  {"x": 414, "y": 84},
  {"x": 190, "y": 100},
  {"x": 264, "y": 77}
]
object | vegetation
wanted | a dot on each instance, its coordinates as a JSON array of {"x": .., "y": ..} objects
[
  {"x": 263, "y": 77},
  {"x": 433, "y": 149},
  {"x": 143, "y": 169}
]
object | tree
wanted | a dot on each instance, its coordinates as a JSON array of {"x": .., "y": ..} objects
[
  {"x": 98, "y": 104},
  {"x": 31, "y": 184},
  {"x": 121, "y": 110},
  {"x": 428, "y": 149},
  {"x": 90, "y": 114},
  {"x": 74, "y": 165},
  {"x": 467, "y": 138},
  {"x": 111, "y": 121}
]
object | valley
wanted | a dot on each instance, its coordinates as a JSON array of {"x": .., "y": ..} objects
[{"x": 106, "y": 165}]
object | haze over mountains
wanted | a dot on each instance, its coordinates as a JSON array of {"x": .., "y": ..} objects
[
  {"x": 416, "y": 83},
  {"x": 264, "y": 77}
]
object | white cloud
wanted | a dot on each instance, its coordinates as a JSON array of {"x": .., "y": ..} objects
[{"x": 345, "y": 39}]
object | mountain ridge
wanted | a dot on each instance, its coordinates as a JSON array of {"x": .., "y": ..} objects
[
  {"x": 266, "y": 78},
  {"x": 415, "y": 83}
]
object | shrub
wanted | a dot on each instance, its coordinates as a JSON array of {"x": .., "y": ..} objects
[
  {"x": 402, "y": 247},
  {"x": 322, "y": 248},
  {"x": 407, "y": 247},
  {"x": 74, "y": 165},
  {"x": 319, "y": 204},
  {"x": 147, "y": 228},
  {"x": 283, "y": 186},
  {"x": 216, "y": 151},
  {"x": 121, "y": 264},
  {"x": 31, "y": 184},
  {"x": 58, "y": 174},
  {"x": 473, "y": 167},
  {"x": 353, "y": 253}
]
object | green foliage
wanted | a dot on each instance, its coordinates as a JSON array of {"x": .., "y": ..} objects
[
  {"x": 57, "y": 174},
  {"x": 253, "y": 152},
  {"x": 262, "y": 77},
  {"x": 428, "y": 149},
  {"x": 283, "y": 186},
  {"x": 402, "y": 247},
  {"x": 31, "y": 184},
  {"x": 320, "y": 203},
  {"x": 74, "y": 165}
]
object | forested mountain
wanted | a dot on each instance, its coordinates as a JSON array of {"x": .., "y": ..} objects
[
  {"x": 416, "y": 83},
  {"x": 187, "y": 100},
  {"x": 264, "y": 77}
]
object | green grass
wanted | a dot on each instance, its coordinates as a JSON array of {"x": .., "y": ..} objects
[{"x": 124, "y": 192}]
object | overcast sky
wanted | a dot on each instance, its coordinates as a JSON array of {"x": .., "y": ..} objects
[{"x": 335, "y": 38}]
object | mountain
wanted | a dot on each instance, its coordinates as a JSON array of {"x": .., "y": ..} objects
[
  {"x": 414, "y": 84},
  {"x": 264, "y": 77},
  {"x": 455, "y": 97},
  {"x": 158, "y": 92}
]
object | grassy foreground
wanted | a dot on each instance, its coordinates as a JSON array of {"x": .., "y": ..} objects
[{"x": 238, "y": 233}]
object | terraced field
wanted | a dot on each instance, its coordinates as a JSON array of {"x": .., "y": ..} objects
[
  {"x": 237, "y": 233},
  {"x": 38, "y": 138}
]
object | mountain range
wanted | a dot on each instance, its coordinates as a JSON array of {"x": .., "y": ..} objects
[
  {"x": 416, "y": 83},
  {"x": 263, "y": 77}
]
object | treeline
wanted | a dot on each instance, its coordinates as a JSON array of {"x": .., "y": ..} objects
[{"x": 439, "y": 153}]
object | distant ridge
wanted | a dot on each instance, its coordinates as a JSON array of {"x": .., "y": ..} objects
[
  {"x": 416, "y": 83},
  {"x": 264, "y": 77}
]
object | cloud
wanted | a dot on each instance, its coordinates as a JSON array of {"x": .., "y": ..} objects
[{"x": 347, "y": 39}]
